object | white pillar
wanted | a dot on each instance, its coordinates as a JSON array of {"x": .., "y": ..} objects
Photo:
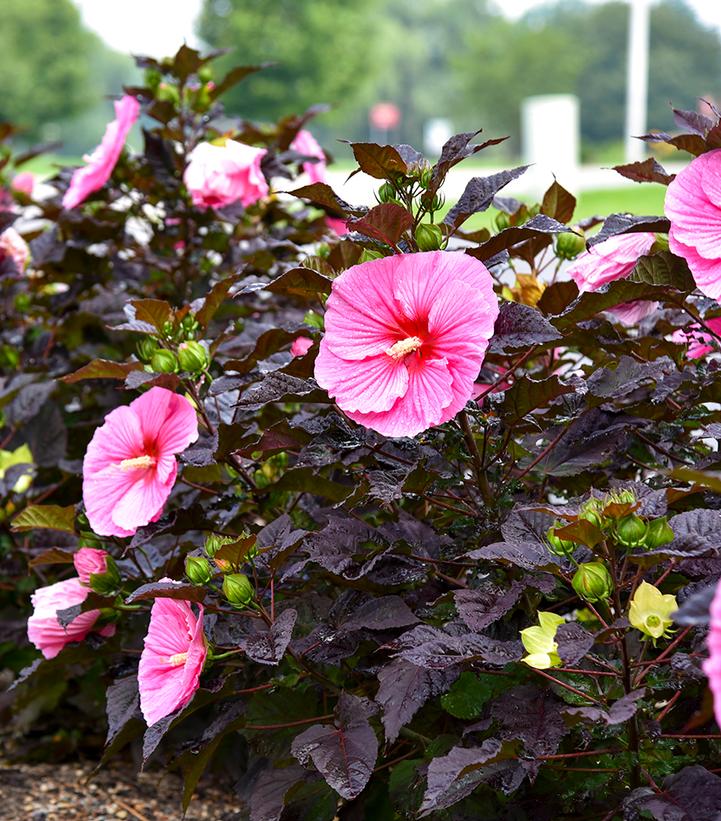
[
  {"x": 550, "y": 137},
  {"x": 637, "y": 77}
]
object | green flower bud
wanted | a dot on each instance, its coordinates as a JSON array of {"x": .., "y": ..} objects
[
  {"x": 503, "y": 220},
  {"x": 152, "y": 77},
  {"x": 556, "y": 545},
  {"x": 192, "y": 356},
  {"x": 658, "y": 533},
  {"x": 592, "y": 581},
  {"x": 437, "y": 203},
  {"x": 631, "y": 531},
  {"x": 146, "y": 347},
  {"x": 198, "y": 570},
  {"x": 386, "y": 193},
  {"x": 205, "y": 73},
  {"x": 108, "y": 583},
  {"x": 214, "y": 542},
  {"x": 167, "y": 93},
  {"x": 569, "y": 245},
  {"x": 429, "y": 237},
  {"x": 164, "y": 361},
  {"x": 591, "y": 511},
  {"x": 425, "y": 177},
  {"x": 237, "y": 589}
]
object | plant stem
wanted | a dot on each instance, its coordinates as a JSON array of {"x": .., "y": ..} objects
[{"x": 481, "y": 477}]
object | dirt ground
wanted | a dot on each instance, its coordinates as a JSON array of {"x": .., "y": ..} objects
[{"x": 46, "y": 792}]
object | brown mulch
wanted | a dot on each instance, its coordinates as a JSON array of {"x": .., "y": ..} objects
[{"x": 48, "y": 792}]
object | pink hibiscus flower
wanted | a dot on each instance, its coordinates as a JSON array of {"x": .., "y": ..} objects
[
  {"x": 172, "y": 658},
  {"x": 89, "y": 560},
  {"x": 405, "y": 339},
  {"x": 307, "y": 145},
  {"x": 93, "y": 176},
  {"x": 24, "y": 182},
  {"x": 14, "y": 247},
  {"x": 219, "y": 175},
  {"x": 712, "y": 665},
  {"x": 612, "y": 259},
  {"x": 130, "y": 466},
  {"x": 44, "y": 629},
  {"x": 693, "y": 204},
  {"x": 337, "y": 226},
  {"x": 301, "y": 345},
  {"x": 699, "y": 342}
]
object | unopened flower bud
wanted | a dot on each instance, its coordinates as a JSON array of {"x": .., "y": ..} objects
[
  {"x": 167, "y": 93},
  {"x": 146, "y": 347},
  {"x": 386, "y": 193},
  {"x": 631, "y": 531},
  {"x": 503, "y": 220},
  {"x": 192, "y": 356},
  {"x": 237, "y": 589},
  {"x": 198, "y": 570},
  {"x": 591, "y": 511},
  {"x": 658, "y": 533},
  {"x": 569, "y": 245},
  {"x": 557, "y": 545},
  {"x": 429, "y": 237},
  {"x": 214, "y": 542},
  {"x": 425, "y": 177},
  {"x": 164, "y": 361},
  {"x": 107, "y": 583},
  {"x": 592, "y": 581}
]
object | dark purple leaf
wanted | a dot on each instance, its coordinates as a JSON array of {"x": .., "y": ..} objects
[
  {"x": 520, "y": 326},
  {"x": 649, "y": 170},
  {"x": 167, "y": 590},
  {"x": 695, "y": 609},
  {"x": 267, "y": 798},
  {"x": 383, "y": 613},
  {"x": 478, "y": 195},
  {"x": 386, "y": 222},
  {"x": 270, "y": 647},
  {"x": 122, "y": 706},
  {"x": 626, "y": 224},
  {"x": 533, "y": 716},
  {"x": 573, "y": 643},
  {"x": 558, "y": 203}
]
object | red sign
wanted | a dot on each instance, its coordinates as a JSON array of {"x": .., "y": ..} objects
[{"x": 385, "y": 116}]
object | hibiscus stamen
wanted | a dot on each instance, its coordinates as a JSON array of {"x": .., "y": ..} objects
[
  {"x": 178, "y": 659},
  {"x": 138, "y": 463},
  {"x": 404, "y": 347}
]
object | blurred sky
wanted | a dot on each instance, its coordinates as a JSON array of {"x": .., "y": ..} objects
[{"x": 157, "y": 27}]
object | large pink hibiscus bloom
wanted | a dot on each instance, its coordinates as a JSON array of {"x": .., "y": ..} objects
[
  {"x": 405, "y": 338},
  {"x": 93, "y": 176},
  {"x": 44, "y": 629},
  {"x": 130, "y": 466},
  {"x": 219, "y": 175},
  {"x": 614, "y": 258},
  {"x": 693, "y": 204},
  {"x": 172, "y": 658},
  {"x": 712, "y": 665}
]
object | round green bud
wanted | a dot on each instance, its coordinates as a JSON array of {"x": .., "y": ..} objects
[
  {"x": 429, "y": 237},
  {"x": 534, "y": 210},
  {"x": 164, "y": 361},
  {"x": 659, "y": 533},
  {"x": 592, "y": 581},
  {"x": 192, "y": 356},
  {"x": 386, "y": 193},
  {"x": 425, "y": 177},
  {"x": 237, "y": 589},
  {"x": 503, "y": 220},
  {"x": 591, "y": 511},
  {"x": 146, "y": 347},
  {"x": 569, "y": 245},
  {"x": 631, "y": 531},
  {"x": 198, "y": 570},
  {"x": 557, "y": 545},
  {"x": 167, "y": 93},
  {"x": 205, "y": 73},
  {"x": 153, "y": 77}
]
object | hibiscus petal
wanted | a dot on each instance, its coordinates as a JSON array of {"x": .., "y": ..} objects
[
  {"x": 103, "y": 491},
  {"x": 143, "y": 501},
  {"x": 706, "y": 272},
  {"x": 121, "y": 437}
]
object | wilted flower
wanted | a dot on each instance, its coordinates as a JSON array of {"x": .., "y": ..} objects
[
  {"x": 19, "y": 456},
  {"x": 220, "y": 175},
  {"x": 130, "y": 466},
  {"x": 307, "y": 145},
  {"x": 172, "y": 660},
  {"x": 44, "y": 628},
  {"x": 14, "y": 248},
  {"x": 405, "y": 339},
  {"x": 612, "y": 259},
  {"x": 692, "y": 206},
  {"x": 650, "y": 611},
  {"x": 539, "y": 641},
  {"x": 99, "y": 165}
]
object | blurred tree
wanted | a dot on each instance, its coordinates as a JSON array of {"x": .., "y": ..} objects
[
  {"x": 324, "y": 50},
  {"x": 577, "y": 48},
  {"x": 45, "y": 62}
]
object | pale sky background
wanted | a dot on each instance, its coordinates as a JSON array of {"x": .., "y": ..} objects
[{"x": 158, "y": 27}]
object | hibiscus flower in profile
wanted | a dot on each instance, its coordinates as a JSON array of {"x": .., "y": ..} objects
[
  {"x": 222, "y": 173},
  {"x": 172, "y": 658},
  {"x": 693, "y": 205},
  {"x": 712, "y": 665},
  {"x": 44, "y": 628},
  {"x": 699, "y": 342},
  {"x": 99, "y": 165},
  {"x": 130, "y": 465},
  {"x": 405, "y": 337},
  {"x": 614, "y": 258},
  {"x": 307, "y": 145}
]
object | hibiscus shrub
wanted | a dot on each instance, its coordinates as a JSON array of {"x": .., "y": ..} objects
[{"x": 373, "y": 514}]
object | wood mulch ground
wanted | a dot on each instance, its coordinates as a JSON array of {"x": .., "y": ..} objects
[{"x": 47, "y": 792}]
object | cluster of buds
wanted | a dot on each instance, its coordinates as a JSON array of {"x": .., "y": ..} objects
[
  {"x": 191, "y": 356},
  {"x": 569, "y": 245},
  {"x": 237, "y": 588},
  {"x": 505, "y": 220}
]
